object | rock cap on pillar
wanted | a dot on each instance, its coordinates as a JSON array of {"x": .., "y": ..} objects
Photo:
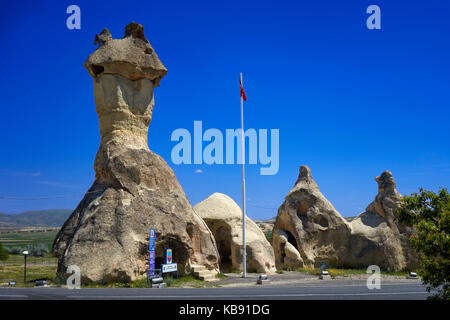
[
  {"x": 132, "y": 56},
  {"x": 386, "y": 182}
]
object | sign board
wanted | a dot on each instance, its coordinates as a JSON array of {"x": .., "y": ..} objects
[
  {"x": 170, "y": 267},
  {"x": 152, "y": 239},
  {"x": 151, "y": 249},
  {"x": 168, "y": 256}
]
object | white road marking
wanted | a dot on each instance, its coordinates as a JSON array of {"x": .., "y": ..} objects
[
  {"x": 275, "y": 285},
  {"x": 245, "y": 296},
  {"x": 12, "y": 296}
]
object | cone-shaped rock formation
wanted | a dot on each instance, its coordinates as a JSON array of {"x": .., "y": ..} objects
[
  {"x": 308, "y": 223},
  {"x": 309, "y": 230}
]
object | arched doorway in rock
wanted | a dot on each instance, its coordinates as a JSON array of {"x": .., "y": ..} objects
[
  {"x": 222, "y": 235},
  {"x": 223, "y": 240},
  {"x": 285, "y": 244},
  {"x": 180, "y": 250},
  {"x": 291, "y": 239}
]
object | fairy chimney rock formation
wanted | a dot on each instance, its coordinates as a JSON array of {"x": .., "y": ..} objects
[
  {"x": 134, "y": 189},
  {"x": 377, "y": 237},
  {"x": 308, "y": 230}
]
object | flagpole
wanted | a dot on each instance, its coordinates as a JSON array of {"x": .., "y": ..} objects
[{"x": 244, "y": 249}]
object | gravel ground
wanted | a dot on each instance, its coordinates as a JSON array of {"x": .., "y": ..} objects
[{"x": 291, "y": 278}]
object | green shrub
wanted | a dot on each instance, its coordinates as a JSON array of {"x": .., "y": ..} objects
[
  {"x": 429, "y": 214},
  {"x": 14, "y": 250},
  {"x": 168, "y": 280},
  {"x": 35, "y": 250},
  {"x": 39, "y": 250},
  {"x": 3, "y": 253},
  {"x": 268, "y": 236},
  {"x": 221, "y": 275}
]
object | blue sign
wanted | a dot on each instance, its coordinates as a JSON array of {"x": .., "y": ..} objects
[
  {"x": 151, "y": 242},
  {"x": 168, "y": 256}
]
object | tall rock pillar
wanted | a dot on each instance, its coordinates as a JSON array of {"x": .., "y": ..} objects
[{"x": 134, "y": 189}]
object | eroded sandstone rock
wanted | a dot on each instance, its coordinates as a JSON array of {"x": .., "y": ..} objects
[
  {"x": 224, "y": 218},
  {"x": 312, "y": 225},
  {"x": 377, "y": 236},
  {"x": 131, "y": 57},
  {"x": 287, "y": 255},
  {"x": 314, "y": 228},
  {"x": 107, "y": 235}
]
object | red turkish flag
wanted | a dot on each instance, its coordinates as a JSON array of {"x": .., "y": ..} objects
[{"x": 243, "y": 96}]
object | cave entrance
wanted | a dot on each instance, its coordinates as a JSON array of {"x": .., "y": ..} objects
[
  {"x": 291, "y": 239},
  {"x": 180, "y": 251},
  {"x": 222, "y": 235}
]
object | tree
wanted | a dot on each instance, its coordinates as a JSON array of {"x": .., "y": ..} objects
[
  {"x": 38, "y": 250},
  {"x": 429, "y": 214},
  {"x": 14, "y": 250},
  {"x": 3, "y": 254}
]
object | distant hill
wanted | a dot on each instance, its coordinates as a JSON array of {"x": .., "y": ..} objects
[
  {"x": 40, "y": 218},
  {"x": 266, "y": 225}
]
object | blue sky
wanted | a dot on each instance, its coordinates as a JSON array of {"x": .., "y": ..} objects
[{"x": 349, "y": 102}]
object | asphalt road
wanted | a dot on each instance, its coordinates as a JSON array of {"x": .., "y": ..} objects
[{"x": 355, "y": 290}]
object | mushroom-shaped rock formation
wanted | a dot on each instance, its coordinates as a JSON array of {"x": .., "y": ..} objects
[
  {"x": 308, "y": 223},
  {"x": 107, "y": 235},
  {"x": 131, "y": 57},
  {"x": 224, "y": 218}
]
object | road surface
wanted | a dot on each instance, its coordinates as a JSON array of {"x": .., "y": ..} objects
[{"x": 331, "y": 290}]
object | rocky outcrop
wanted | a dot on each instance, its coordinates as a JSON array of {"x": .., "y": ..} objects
[
  {"x": 308, "y": 223},
  {"x": 286, "y": 252},
  {"x": 107, "y": 235},
  {"x": 377, "y": 236},
  {"x": 224, "y": 218}
]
